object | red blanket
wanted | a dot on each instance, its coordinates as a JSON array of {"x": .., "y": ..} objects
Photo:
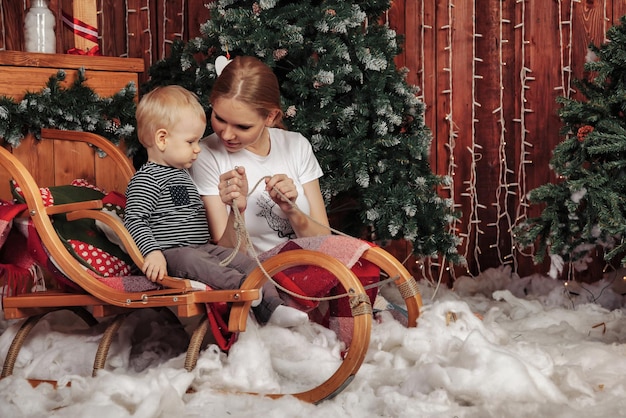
[
  {"x": 17, "y": 267},
  {"x": 316, "y": 282}
]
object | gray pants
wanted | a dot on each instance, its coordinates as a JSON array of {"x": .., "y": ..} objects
[{"x": 202, "y": 263}]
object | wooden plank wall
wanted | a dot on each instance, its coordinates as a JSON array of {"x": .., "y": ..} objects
[{"x": 489, "y": 73}]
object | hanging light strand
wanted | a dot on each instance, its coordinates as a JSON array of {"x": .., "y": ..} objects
[
  {"x": 521, "y": 212},
  {"x": 452, "y": 128},
  {"x": 179, "y": 35},
  {"x": 503, "y": 191},
  {"x": 145, "y": 11},
  {"x": 476, "y": 155},
  {"x": 426, "y": 265}
]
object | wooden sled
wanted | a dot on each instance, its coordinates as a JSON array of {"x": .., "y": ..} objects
[{"x": 112, "y": 171}]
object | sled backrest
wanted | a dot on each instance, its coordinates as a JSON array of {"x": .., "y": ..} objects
[{"x": 62, "y": 156}]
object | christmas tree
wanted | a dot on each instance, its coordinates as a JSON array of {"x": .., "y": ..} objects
[
  {"x": 342, "y": 90},
  {"x": 586, "y": 208}
]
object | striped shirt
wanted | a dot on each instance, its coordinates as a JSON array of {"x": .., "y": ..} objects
[{"x": 164, "y": 209}]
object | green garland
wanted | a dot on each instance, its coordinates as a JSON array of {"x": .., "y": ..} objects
[{"x": 76, "y": 108}]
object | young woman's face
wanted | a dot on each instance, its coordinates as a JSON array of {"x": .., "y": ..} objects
[{"x": 239, "y": 126}]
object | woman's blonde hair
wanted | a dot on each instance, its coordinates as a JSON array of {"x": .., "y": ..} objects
[
  {"x": 249, "y": 80},
  {"x": 161, "y": 109}
]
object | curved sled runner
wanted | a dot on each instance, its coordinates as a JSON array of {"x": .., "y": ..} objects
[{"x": 96, "y": 299}]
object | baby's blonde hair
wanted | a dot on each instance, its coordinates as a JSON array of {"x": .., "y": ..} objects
[{"x": 161, "y": 109}]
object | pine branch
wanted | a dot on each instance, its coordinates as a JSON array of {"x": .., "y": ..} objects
[{"x": 76, "y": 107}]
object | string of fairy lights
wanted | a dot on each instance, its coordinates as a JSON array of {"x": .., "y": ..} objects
[
  {"x": 475, "y": 155},
  {"x": 144, "y": 10},
  {"x": 504, "y": 190},
  {"x": 565, "y": 38},
  {"x": 179, "y": 35},
  {"x": 147, "y": 30},
  {"x": 426, "y": 265},
  {"x": 450, "y": 145},
  {"x": 422, "y": 51},
  {"x": 521, "y": 210}
]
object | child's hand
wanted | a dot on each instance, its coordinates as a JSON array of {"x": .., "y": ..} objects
[
  {"x": 234, "y": 185},
  {"x": 154, "y": 265}
]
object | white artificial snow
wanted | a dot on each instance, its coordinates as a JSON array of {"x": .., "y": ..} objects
[{"x": 494, "y": 346}]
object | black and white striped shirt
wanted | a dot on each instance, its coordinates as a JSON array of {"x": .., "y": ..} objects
[{"x": 164, "y": 209}]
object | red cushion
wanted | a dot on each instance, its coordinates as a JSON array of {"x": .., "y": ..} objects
[{"x": 102, "y": 262}]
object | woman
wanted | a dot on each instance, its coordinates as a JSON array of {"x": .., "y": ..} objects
[
  {"x": 248, "y": 146},
  {"x": 271, "y": 174}
]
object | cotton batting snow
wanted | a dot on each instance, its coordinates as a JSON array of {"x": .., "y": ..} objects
[{"x": 496, "y": 345}]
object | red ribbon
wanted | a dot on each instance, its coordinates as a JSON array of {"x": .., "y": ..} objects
[
  {"x": 92, "y": 52},
  {"x": 81, "y": 28}
]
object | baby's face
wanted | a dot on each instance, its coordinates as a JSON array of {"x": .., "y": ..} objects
[{"x": 182, "y": 141}]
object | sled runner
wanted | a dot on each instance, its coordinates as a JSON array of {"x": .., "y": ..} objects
[{"x": 47, "y": 207}]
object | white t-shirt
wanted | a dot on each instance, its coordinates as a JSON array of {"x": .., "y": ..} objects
[{"x": 290, "y": 154}]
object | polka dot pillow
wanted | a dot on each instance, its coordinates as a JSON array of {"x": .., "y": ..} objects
[{"x": 100, "y": 261}]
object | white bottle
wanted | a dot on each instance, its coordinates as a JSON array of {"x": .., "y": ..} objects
[{"x": 39, "y": 28}]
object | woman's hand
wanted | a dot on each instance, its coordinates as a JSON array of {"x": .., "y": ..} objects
[
  {"x": 234, "y": 185},
  {"x": 288, "y": 192}
]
